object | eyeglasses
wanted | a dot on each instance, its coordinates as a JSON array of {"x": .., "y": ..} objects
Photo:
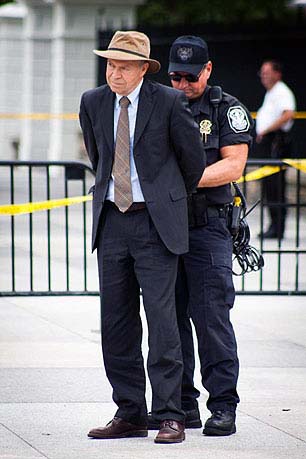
[{"x": 189, "y": 77}]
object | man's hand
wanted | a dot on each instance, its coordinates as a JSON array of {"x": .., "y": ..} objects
[{"x": 287, "y": 115}]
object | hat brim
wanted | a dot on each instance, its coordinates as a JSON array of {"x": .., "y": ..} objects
[
  {"x": 194, "y": 69},
  {"x": 154, "y": 66}
]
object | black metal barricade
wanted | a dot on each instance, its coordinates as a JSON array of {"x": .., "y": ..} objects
[
  {"x": 47, "y": 252},
  {"x": 285, "y": 258}
]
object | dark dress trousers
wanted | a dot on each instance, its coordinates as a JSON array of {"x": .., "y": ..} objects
[
  {"x": 140, "y": 249},
  {"x": 275, "y": 145}
]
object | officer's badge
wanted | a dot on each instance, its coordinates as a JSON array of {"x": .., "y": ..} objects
[
  {"x": 205, "y": 128},
  {"x": 184, "y": 53},
  {"x": 238, "y": 119}
]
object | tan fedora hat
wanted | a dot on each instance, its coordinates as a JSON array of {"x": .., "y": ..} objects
[{"x": 130, "y": 46}]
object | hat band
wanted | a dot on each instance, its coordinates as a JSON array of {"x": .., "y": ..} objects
[{"x": 128, "y": 52}]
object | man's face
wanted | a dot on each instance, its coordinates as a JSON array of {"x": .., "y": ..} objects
[
  {"x": 196, "y": 89},
  {"x": 268, "y": 75},
  {"x": 124, "y": 76}
]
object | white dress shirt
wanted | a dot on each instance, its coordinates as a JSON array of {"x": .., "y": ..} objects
[
  {"x": 132, "y": 112},
  {"x": 277, "y": 100}
]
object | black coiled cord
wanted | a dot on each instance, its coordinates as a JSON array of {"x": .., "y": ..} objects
[{"x": 247, "y": 257}]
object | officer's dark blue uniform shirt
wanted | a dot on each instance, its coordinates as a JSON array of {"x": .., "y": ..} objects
[{"x": 232, "y": 127}]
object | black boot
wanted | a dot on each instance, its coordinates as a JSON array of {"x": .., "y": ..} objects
[
  {"x": 220, "y": 423},
  {"x": 272, "y": 233}
]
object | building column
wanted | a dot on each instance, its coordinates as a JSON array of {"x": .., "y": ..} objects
[
  {"x": 37, "y": 79},
  {"x": 59, "y": 65},
  {"x": 11, "y": 78},
  {"x": 73, "y": 71},
  {"x": 74, "y": 36}
]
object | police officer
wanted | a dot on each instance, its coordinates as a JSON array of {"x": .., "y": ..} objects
[{"x": 204, "y": 290}]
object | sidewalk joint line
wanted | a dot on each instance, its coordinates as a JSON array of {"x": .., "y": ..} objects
[
  {"x": 23, "y": 440},
  {"x": 79, "y": 335},
  {"x": 273, "y": 427}
]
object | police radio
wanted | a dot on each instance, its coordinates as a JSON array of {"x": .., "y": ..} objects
[{"x": 215, "y": 97}]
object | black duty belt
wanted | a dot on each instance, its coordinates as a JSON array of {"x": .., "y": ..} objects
[{"x": 217, "y": 211}]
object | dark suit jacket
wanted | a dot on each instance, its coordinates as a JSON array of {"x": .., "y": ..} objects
[{"x": 168, "y": 153}]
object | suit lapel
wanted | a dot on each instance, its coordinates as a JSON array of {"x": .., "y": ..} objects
[
  {"x": 145, "y": 107},
  {"x": 107, "y": 117}
]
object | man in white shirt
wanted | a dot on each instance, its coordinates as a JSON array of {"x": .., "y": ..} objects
[{"x": 273, "y": 124}]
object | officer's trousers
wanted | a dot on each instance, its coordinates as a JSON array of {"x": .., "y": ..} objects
[{"x": 205, "y": 293}]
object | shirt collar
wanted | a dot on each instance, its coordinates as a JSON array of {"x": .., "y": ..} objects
[
  {"x": 133, "y": 96},
  {"x": 201, "y": 105}
]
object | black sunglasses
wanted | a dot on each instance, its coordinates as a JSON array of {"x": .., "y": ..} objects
[{"x": 189, "y": 77}]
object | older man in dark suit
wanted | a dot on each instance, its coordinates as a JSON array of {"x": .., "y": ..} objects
[{"x": 147, "y": 154}]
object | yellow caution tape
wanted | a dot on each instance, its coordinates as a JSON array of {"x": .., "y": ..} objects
[
  {"x": 260, "y": 173},
  {"x": 26, "y": 208},
  {"x": 297, "y": 115},
  {"x": 265, "y": 171},
  {"x": 14, "y": 209},
  {"x": 39, "y": 116},
  {"x": 75, "y": 116},
  {"x": 300, "y": 115},
  {"x": 296, "y": 163}
]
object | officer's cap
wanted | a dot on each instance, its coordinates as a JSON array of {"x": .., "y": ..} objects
[{"x": 188, "y": 54}]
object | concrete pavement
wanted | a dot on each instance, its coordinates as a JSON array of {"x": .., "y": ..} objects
[{"x": 53, "y": 388}]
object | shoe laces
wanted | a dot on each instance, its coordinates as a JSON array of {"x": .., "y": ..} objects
[{"x": 167, "y": 423}]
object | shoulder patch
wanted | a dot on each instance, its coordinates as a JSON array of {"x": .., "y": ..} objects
[{"x": 238, "y": 119}]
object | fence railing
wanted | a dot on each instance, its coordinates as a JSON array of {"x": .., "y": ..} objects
[
  {"x": 285, "y": 259},
  {"x": 48, "y": 252},
  {"x": 45, "y": 252}
]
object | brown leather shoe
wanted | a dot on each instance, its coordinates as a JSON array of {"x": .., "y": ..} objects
[
  {"x": 118, "y": 428},
  {"x": 170, "y": 432}
]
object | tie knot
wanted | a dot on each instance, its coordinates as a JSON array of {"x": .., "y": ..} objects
[{"x": 124, "y": 102}]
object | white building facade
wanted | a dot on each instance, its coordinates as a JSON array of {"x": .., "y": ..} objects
[{"x": 46, "y": 63}]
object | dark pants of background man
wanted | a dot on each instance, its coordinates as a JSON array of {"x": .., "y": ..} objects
[
  {"x": 205, "y": 293},
  {"x": 275, "y": 145},
  {"x": 131, "y": 254}
]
